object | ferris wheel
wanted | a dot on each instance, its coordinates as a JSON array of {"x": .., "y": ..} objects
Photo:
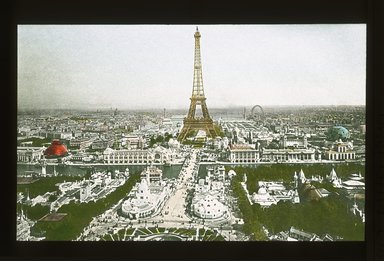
[{"x": 257, "y": 113}]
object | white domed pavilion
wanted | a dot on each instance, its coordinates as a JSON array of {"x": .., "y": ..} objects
[{"x": 208, "y": 207}]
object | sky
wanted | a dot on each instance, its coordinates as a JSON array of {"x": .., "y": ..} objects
[{"x": 151, "y": 66}]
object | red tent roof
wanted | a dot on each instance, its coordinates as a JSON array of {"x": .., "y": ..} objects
[{"x": 57, "y": 149}]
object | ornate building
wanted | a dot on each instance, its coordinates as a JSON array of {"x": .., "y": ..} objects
[
  {"x": 208, "y": 207},
  {"x": 138, "y": 156},
  {"x": 341, "y": 150},
  {"x": 30, "y": 154},
  {"x": 243, "y": 153},
  {"x": 191, "y": 122},
  {"x": 289, "y": 155},
  {"x": 148, "y": 196},
  {"x": 288, "y": 141}
]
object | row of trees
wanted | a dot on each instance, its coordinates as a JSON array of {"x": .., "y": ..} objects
[
  {"x": 252, "y": 226},
  {"x": 328, "y": 215}
]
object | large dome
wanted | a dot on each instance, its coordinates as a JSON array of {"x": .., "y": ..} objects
[
  {"x": 337, "y": 133},
  {"x": 343, "y": 132},
  {"x": 56, "y": 149}
]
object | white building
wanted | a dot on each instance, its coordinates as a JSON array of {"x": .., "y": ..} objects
[
  {"x": 142, "y": 205},
  {"x": 270, "y": 193},
  {"x": 209, "y": 199},
  {"x": 231, "y": 174},
  {"x": 30, "y": 154},
  {"x": 216, "y": 172},
  {"x": 341, "y": 151},
  {"x": 263, "y": 198},
  {"x": 173, "y": 144},
  {"x": 85, "y": 191},
  {"x": 133, "y": 142},
  {"x": 208, "y": 207},
  {"x": 146, "y": 197},
  {"x": 353, "y": 185},
  {"x": 152, "y": 174},
  {"x": 294, "y": 141},
  {"x": 243, "y": 153},
  {"x": 289, "y": 155},
  {"x": 301, "y": 177},
  {"x": 333, "y": 179},
  {"x": 139, "y": 156}
]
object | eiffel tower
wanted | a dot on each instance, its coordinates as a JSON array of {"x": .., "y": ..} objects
[{"x": 191, "y": 122}]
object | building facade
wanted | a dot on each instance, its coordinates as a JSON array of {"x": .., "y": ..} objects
[
  {"x": 138, "y": 156},
  {"x": 243, "y": 153},
  {"x": 341, "y": 151},
  {"x": 30, "y": 154},
  {"x": 288, "y": 155},
  {"x": 293, "y": 141}
]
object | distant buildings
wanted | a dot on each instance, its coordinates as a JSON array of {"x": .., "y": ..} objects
[
  {"x": 290, "y": 141},
  {"x": 101, "y": 143},
  {"x": 133, "y": 142},
  {"x": 81, "y": 143}
]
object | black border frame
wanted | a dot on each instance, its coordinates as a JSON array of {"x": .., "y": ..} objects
[{"x": 205, "y": 12}]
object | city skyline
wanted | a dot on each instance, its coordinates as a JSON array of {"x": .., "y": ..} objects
[{"x": 143, "y": 66}]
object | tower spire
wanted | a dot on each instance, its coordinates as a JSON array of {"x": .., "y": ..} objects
[{"x": 198, "y": 89}]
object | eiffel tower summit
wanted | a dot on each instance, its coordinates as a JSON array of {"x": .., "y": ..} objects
[{"x": 193, "y": 123}]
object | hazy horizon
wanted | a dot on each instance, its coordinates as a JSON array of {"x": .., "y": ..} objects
[
  {"x": 142, "y": 67},
  {"x": 185, "y": 110}
]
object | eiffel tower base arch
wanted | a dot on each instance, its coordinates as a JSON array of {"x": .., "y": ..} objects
[{"x": 196, "y": 125}]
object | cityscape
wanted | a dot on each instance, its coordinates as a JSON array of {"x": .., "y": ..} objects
[{"x": 102, "y": 171}]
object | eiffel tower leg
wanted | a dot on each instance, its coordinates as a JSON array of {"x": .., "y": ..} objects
[
  {"x": 183, "y": 133},
  {"x": 204, "y": 110},
  {"x": 192, "y": 109},
  {"x": 211, "y": 131}
]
